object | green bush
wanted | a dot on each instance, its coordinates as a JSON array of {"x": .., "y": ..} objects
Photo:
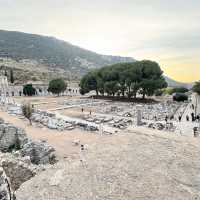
[
  {"x": 180, "y": 97},
  {"x": 158, "y": 93},
  {"x": 27, "y": 110},
  {"x": 29, "y": 90},
  {"x": 57, "y": 86},
  {"x": 180, "y": 90},
  {"x": 196, "y": 87}
]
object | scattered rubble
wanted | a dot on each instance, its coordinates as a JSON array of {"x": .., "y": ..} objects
[
  {"x": 49, "y": 120},
  {"x": 39, "y": 152},
  {"x": 15, "y": 139}
]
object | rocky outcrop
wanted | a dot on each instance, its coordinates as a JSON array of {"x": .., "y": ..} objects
[
  {"x": 39, "y": 152},
  {"x": 5, "y": 189},
  {"x": 11, "y": 137},
  {"x": 17, "y": 169},
  {"x": 15, "y": 139},
  {"x": 17, "y": 166}
]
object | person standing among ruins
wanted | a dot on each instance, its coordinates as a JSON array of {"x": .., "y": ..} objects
[
  {"x": 81, "y": 153},
  {"x": 179, "y": 118},
  {"x": 192, "y": 106},
  {"x": 166, "y": 118},
  {"x": 193, "y": 117},
  {"x": 187, "y": 118},
  {"x": 198, "y": 118}
]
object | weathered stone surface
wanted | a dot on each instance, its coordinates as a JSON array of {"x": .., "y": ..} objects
[
  {"x": 39, "y": 152},
  {"x": 10, "y": 136},
  {"x": 17, "y": 169},
  {"x": 13, "y": 139},
  {"x": 130, "y": 166},
  {"x": 5, "y": 189}
]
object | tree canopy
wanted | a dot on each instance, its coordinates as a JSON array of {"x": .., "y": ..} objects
[
  {"x": 125, "y": 79},
  {"x": 29, "y": 90},
  {"x": 57, "y": 86},
  {"x": 196, "y": 87}
]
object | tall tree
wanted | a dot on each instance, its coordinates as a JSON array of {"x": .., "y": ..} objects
[
  {"x": 89, "y": 82},
  {"x": 196, "y": 87},
  {"x": 125, "y": 78},
  {"x": 152, "y": 78},
  {"x": 29, "y": 90},
  {"x": 12, "y": 80},
  {"x": 57, "y": 86}
]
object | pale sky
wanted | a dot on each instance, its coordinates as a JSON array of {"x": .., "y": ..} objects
[{"x": 166, "y": 31}]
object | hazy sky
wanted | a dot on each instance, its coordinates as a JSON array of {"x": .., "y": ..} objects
[{"x": 167, "y": 31}]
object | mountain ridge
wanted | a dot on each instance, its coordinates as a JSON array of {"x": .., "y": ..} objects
[
  {"x": 46, "y": 57},
  {"x": 52, "y": 51}
]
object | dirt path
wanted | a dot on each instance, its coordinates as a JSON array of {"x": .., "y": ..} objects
[{"x": 61, "y": 141}]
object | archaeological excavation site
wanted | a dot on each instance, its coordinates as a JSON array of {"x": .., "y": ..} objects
[
  {"x": 81, "y": 147},
  {"x": 99, "y": 100}
]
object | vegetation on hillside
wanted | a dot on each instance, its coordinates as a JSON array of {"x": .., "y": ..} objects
[
  {"x": 51, "y": 51},
  {"x": 125, "y": 79}
]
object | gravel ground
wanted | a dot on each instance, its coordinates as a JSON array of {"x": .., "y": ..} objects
[{"x": 139, "y": 166}]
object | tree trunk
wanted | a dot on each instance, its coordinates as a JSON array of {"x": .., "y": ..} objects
[
  {"x": 30, "y": 122},
  {"x": 143, "y": 96}
]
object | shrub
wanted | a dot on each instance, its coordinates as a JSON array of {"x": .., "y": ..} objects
[
  {"x": 180, "y": 90},
  {"x": 57, "y": 86},
  {"x": 158, "y": 93},
  {"x": 196, "y": 87},
  {"x": 180, "y": 97},
  {"x": 29, "y": 90},
  {"x": 27, "y": 111}
]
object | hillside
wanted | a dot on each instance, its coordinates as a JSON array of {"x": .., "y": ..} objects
[
  {"x": 36, "y": 57},
  {"x": 51, "y": 52},
  {"x": 173, "y": 83}
]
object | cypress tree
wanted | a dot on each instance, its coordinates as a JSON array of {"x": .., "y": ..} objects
[{"x": 11, "y": 76}]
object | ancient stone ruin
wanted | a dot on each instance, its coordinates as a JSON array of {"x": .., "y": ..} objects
[{"x": 20, "y": 158}]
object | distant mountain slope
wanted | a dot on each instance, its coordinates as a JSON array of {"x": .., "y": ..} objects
[
  {"x": 173, "y": 83},
  {"x": 42, "y": 58},
  {"x": 52, "y": 52}
]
